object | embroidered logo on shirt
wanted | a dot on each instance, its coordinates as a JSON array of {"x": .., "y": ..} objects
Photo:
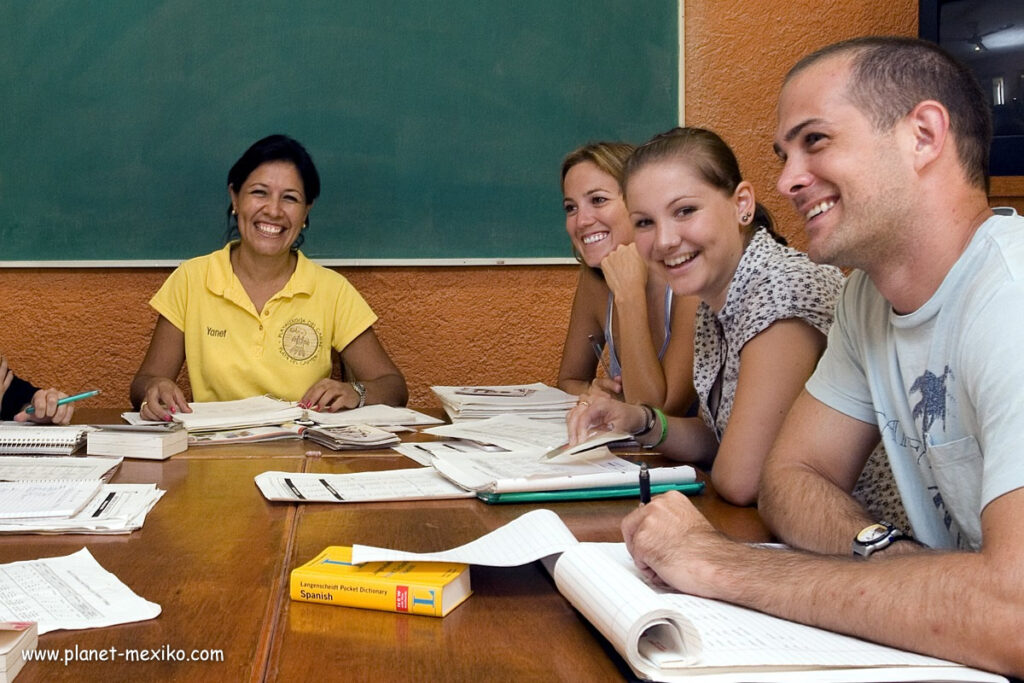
[
  {"x": 300, "y": 341},
  {"x": 211, "y": 332}
]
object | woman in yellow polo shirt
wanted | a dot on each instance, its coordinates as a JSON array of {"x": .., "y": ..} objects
[{"x": 258, "y": 317}]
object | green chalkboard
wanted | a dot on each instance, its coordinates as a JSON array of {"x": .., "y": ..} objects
[{"x": 437, "y": 127}]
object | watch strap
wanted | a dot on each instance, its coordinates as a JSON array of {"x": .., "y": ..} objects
[{"x": 360, "y": 390}]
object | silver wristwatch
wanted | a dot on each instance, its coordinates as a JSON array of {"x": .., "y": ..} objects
[
  {"x": 361, "y": 392},
  {"x": 875, "y": 537}
]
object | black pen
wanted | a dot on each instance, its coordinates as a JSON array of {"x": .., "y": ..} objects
[{"x": 645, "y": 484}]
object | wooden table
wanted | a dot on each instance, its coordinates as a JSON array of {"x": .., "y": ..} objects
[{"x": 216, "y": 556}]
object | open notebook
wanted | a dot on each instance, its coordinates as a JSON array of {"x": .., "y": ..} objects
[{"x": 668, "y": 636}]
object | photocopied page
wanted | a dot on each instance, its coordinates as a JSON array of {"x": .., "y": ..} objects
[
  {"x": 70, "y": 592},
  {"x": 422, "y": 483},
  {"x": 41, "y": 468},
  {"x": 45, "y": 498},
  {"x": 115, "y": 509}
]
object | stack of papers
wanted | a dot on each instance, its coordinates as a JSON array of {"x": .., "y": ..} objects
[
  {"x": 113, "y": 509},
  {"x": 68, "y": 495},
  {"x": 536, "y": 400},
  {"x": 376, "y": 415},
  {"x": 246, "y": 412},
  {"x": 352, "y": 437}
]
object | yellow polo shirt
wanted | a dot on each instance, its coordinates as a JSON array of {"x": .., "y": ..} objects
[{"x": 234, "y": 352}]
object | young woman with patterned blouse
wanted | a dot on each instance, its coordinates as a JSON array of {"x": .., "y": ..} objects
[{"x": 760, "y": 327}]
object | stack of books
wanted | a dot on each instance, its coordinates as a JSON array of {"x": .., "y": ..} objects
[
  {"x": 16, "y": 638},
  {"x": 537, "y": 401},
  {"x": 149, "y": 442}
]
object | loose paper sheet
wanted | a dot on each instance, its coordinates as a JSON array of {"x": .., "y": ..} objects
[
  {"x": 309, "y": 487},
  {"x": 530, "y": 537},
  {"x": 68, "y": 592}
]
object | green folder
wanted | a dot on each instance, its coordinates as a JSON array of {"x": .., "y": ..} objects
[{"x": 689, "y": 489}]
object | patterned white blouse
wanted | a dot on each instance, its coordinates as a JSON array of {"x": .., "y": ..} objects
[{"x": 772, "y": 282}]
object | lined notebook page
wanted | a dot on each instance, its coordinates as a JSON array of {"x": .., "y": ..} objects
[
  {"x": 735, "y": 637},
  {"x": 45, "y": 498}
]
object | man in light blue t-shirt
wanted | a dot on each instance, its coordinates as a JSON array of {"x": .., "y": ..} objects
[{"x": 885, "y": 149}]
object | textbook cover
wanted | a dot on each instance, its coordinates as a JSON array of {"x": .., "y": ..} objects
[{"x": 429, "y": 588}]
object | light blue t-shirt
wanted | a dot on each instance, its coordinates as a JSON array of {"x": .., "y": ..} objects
[{"x": 945, "y": 383}]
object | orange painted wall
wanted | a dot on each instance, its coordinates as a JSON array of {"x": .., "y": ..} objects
[
  {"x": 737, "y": 53},
  {"x": 89, "y": 328}
]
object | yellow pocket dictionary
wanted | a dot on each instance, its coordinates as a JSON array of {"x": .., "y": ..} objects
[{"x": 430, "y": 588}]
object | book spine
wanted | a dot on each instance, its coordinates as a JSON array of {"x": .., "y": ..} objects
[{"x": 409, "y": 598}]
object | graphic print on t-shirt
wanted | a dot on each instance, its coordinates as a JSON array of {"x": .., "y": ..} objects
[{"x": 932, "y": 405}]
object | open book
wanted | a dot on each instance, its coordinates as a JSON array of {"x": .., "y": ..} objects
[{"x": 668, "y": 636}]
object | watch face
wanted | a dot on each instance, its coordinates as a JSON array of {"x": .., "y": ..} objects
[{"x": 872, "y": 533}]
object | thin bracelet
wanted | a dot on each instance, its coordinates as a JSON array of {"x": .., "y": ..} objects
[
  {"x": 648, "y": 420},
  {"x": 664, "y": 427}
]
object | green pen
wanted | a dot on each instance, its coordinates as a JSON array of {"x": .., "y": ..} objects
[
  {"x": 689, "y": 488},
  {"x": 68, "y": 399}
]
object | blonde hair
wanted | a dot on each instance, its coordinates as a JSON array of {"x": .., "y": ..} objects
[{"x": 610, "y": 157}]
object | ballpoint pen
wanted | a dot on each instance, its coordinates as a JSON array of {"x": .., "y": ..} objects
[{"x": 645, "y": 484}]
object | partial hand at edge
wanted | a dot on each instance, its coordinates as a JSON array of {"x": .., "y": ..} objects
[{"x": 46, "y": 410}]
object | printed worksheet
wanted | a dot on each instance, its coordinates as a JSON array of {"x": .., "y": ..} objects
[{"x": 68, "y": 592}]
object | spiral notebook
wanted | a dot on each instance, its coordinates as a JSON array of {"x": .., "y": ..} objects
[{"x": 17, "y": 438}]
